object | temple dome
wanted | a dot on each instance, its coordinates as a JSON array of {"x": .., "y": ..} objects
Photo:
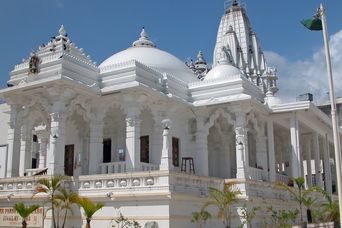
[
  {"x": 223, "y": 70},
  {"x": 144, "y": 50}
]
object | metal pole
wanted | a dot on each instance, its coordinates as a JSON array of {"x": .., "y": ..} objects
[{"x": 336, "y": 132}]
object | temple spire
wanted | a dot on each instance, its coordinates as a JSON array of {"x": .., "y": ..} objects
[{"x": 61, "y": 31}]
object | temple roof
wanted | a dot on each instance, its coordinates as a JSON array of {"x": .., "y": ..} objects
[{"x": 145, "y": 51}]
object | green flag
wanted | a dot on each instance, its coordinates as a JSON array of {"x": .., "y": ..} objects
[{"x": 314, "y": 24}]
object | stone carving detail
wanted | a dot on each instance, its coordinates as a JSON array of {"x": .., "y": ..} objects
[
  {"x": 151, "y": 225},
  {"x": 86, "y": 185},
  {"x": 123, "y": 183},
  {"x": 240, "y": 133},
  {"x": 98, "y": 184},
  {"x": 110, "y": 183},
  {"x": 132, "y": 121},
  {"x": 136, "y": 182},
  {"x": 166, "y": 123},
  {"x": 33, "y": 64},
  {"x": 200, "y": 67},
  {"x": 149, "y": 181}
]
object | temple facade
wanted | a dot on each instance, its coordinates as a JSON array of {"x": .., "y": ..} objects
[{"x": 147, "y": 134}]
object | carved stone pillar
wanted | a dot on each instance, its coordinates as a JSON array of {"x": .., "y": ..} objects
[
  {"x": 133, "y": 143},
  {"x": 295, "y": 148},
  {"x": 13, "y": 140},
  {"x": 95, "y": 146},
  {"x": 55, "y": 156},
  {"x": 25, "y": 150},
  {"x": 157, "y": 137},
  {"x": 308, "y": 161},
  {"x": 43, "y": 140},
  {"x": 166, "y": 158},
  {"x": 327, "y": 168},
  {"x": 261, "y": 151},
  {"x": 43, "y": 146},
  {"x": 317, "y": 158},
  {"x": 201, "y": 154},
  {"x": 241, "y": 146},
  {"x": 271, "y": 154}
]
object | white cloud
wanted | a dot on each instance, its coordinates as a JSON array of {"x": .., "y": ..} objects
[{"x": 310, "y": 75}]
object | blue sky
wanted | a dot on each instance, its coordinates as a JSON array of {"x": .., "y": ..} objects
[{"x": 181, "y": 27}]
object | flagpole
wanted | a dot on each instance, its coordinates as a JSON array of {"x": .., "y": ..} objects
[{"x": 334, "y": 117}]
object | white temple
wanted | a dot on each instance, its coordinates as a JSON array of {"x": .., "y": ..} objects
[{"x": 123, "y": 129}]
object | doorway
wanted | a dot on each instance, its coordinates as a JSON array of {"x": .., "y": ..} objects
[
  {"x": 107, "y": 150},
  {"x": 144, "y": 149},
  {"x": 69, "y": 160}
]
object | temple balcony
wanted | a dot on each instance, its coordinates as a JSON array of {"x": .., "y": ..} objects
[{"x": 121, "y": 167}]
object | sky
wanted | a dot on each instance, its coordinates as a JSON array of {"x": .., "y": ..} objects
[{"x": 181, "y": 27}]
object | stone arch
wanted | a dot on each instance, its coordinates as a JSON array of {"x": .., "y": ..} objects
[
  {"x": 77, "y": 131},
  {"x": 253, "y": 121},
  {"x": 216, "y": 115},
  {"x": 29, "y": 118},
  {"x": 114, "y": 133},
  {"x": 221, "y": 145},
  {"x": 254, "y": 136},
  {"x": 79, "y": 105},
  {"x": 147, "y": 136}
]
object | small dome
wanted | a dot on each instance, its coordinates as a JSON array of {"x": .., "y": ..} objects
[
  {"x": 143, "y": 50},
  {"x": 222, "y": 70}
]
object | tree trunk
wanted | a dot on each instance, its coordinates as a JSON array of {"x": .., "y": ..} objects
[
  {"x": 24, "y": 224},
  {"x": 53, "y": 215},
  {"x": 88, "y": 223},
  {"x": 64, "y": 219}
]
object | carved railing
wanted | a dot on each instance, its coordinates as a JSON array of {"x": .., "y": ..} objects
[
  {"x": 36, "y": 172},
  {"x": 160, "y": 182},
  {"x": 113, "y": 167},
  {"x": 149, "y": 166},
  {"x": 282, "y": 178},
  {"x": 144, "y": 184},
  {"x": 257, "y": 174}
]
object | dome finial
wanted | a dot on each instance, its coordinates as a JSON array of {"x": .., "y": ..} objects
[
  {"x": 61, "y": 31},
  {"x": 144, "y": 40}
]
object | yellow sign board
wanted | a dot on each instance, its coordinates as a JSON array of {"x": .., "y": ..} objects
[{"x": 10, "y": 218}]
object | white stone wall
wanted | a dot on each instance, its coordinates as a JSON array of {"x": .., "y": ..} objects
[{"x": 4, "y": 119}]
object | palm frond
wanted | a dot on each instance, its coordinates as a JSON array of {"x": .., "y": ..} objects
[
  {"x": 24, "y": 211},
  {"x": 89, "y": 206}
]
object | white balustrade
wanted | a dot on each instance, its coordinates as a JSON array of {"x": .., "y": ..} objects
[
  {"x": 282, "y": 178},
  {"x": 32, "y": 172},
  {"x": 149, "y": 166},
  {"x": 257, "y": 174},
  {"x": 113, "y": 167},
  {"x": 120, "y": 167}
]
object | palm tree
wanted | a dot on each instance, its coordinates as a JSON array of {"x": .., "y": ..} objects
[
  {"x": 89, "y": 208},
  {"x": 51, "y": 188},
  {"x": 330, "y": 208},
  {"x": 223, "y": 200},
  {"x": 200, "y": 217},
  {"x": 66, "y": 199},
  {"x": 25, "y": 212},
  {"x": 302, "y": 195}
]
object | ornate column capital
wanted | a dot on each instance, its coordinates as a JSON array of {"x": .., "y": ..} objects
[
  {"x": 133, "y": 121},
  {"x": 166, "y": 123},
  {"x": 41, "y": 132}
]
